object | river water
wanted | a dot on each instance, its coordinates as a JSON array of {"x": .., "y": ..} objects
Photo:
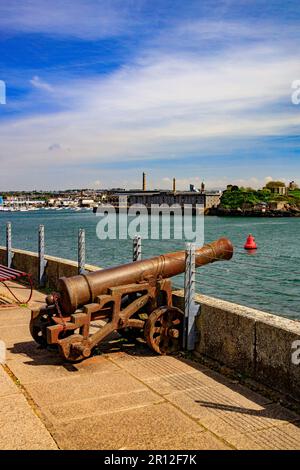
[{"x": 268, "y": 279}]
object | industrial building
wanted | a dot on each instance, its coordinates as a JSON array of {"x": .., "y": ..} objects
[{"x": 169, "y": 197}]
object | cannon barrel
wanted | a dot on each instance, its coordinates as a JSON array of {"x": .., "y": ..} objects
[{"x": 77, "y": 291}]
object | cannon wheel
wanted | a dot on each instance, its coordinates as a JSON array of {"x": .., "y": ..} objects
[
  {"x": 38, "y": 327},
  {"x": 164, "y": 329}
]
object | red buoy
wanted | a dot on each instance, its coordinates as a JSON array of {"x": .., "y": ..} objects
[{"x": 250, "y": 243}]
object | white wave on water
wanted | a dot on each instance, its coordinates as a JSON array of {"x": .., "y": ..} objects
[{"x": 271, "y": 222}]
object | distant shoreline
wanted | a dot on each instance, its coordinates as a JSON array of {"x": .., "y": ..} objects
[
  {"x": 218, "y": 212},
  {"x": 267, "y": 214}
]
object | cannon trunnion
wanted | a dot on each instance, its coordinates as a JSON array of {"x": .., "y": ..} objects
[{"x": 131, "y": 299}]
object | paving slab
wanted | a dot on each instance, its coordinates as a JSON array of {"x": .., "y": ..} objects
[
  {"x": 20, "y": 428},
  {"x": 86, "y": 408},
  {"x": 285, "y": 437},
  {"x": 154, "y": 427},
  {"x": 69, "y": 389},
  {"x": 13, "y": 316},
  {"x": 237, "y": 425},
  {"x": 12, "y": 334},
  {"x": 30, "y": 363},
  {"x": 205, "y": 402},
  {"x": 7, "y": 387},
  {"x": 128, "y": 400},
  {"x": 153, "y": 366},
  {"x": 177, "y": 382},
  {"x": 182, "y": 375},
  {"x": 31, "y": 351}
]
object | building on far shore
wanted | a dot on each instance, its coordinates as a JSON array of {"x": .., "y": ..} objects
[
  {"x": 172, "y": 196},
  {"x": 293, "y": 186},
  {"x": 85, "y": 202},
  {"x": 277, "y": 205},
  {"x": 212, "y": 199},
  {"x": 277, "y": 187},
  {"x": 147, "y": 197}
]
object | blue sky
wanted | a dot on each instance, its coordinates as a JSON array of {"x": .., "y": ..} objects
[{"x": 99, "y": 91}]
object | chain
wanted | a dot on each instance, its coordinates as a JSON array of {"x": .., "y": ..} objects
[{"x": 56, "y": 303}]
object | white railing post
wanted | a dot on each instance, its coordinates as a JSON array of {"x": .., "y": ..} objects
[
  {"x": 41, "y": 249},
  {"x": 190, "y": 307},
  {"x": 9, "y": 253},
  {"x": 137, "y": 248},
  {"x": 81, "y": 251}
]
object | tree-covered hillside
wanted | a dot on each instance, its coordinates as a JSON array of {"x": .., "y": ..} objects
[{"x": 235, "y": 197}]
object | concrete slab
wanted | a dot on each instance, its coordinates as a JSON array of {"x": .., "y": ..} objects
[
  {"x": 7, "y": 387},
  {"x": 45, "y": 369},
  {"x": 233, "y": 424},
  {"x": 12, "y": 334},
  {"x": 72, "y": 388},
  {"x": 153, "y": 366},
  {"x": 162, "y": 369},
  {"x": 285, "y": 437},
  {"x": 205, "y": 402},
  {"x": 154, "y": 427},
  {"x": 15, "y": 316},
  {"x": 159, "y": 373},
  {"x": 178, "y": 382},
  {"x": 96, "y": 364},
  {"x": 88, "y": 407},
  {"x": 30, "y": 350},
  {"x": 48, "y": 366},
  {"x": 20, "y": 428}
]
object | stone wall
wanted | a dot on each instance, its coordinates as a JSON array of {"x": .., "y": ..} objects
[{"x": 253, "y": 343}]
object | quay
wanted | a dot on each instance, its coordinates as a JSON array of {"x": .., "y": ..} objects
[
  {"x": 127, "y": 400},
  {"x": 237, "y": 390}
]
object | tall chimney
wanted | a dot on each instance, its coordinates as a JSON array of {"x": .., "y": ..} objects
[
  {"x": 144, "y": 181},
  {"x": 174, "y": 185}
]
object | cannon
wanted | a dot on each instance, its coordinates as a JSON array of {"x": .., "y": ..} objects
[{"x": 130, "y": 299}]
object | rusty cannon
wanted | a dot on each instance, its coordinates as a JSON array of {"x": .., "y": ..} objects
[{"x": 134, "y": 298}]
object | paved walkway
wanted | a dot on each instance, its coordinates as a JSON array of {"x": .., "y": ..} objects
[{"x": 127, "y": 400}]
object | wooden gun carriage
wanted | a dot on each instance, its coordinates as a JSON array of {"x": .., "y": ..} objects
[{"x": 128, "y": 298}]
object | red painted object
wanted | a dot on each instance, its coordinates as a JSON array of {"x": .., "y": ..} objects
[
  {"x": 10, "y": 274},
  {"x": 250, "y": 243}
]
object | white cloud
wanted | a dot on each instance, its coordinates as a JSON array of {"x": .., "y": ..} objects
[
  {"x": 37, "y": 82},
  {"x": 158, "y": 106},
  {"x": 213, "y": 183},
  {"x": 96, "y": 184},
  {"x": 85, "y": 19},
  {"x": 155, "y": 109},
  {"x": 268, "y": 179}
]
